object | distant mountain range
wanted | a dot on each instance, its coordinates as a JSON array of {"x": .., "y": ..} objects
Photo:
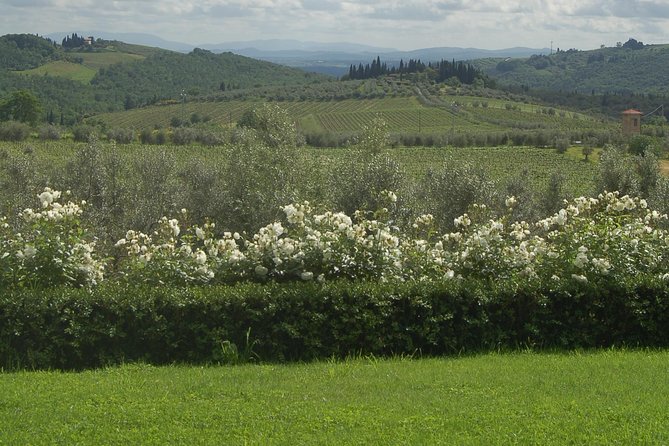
[{"x": 327, "y": 58}]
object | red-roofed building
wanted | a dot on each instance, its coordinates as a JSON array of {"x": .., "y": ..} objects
[{"x": 631, "y": 122}]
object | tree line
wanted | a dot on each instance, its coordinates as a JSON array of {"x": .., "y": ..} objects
[
  {"x": 73, "y": 41},
  {"x": 442, "y": 70}
]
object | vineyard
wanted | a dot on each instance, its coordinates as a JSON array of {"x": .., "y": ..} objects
[{"x": 442, "y": 114}]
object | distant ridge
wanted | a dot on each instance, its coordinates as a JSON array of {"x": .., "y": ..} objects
[
  {"x": 332, "y": 58},
  {"x": 134, "y": 38}
]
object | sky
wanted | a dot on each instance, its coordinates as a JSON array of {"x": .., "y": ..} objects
[{"x": 399, "y": 24}]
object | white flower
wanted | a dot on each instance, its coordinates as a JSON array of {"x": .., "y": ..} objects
[
  {"x": 306, "y": 275},
  {"x": 199, "y": 233},
  {"x": 579, "y": 278},
  {"x": 463, "y": 220},
  {"x": 174, "y": 226},
  {"x": 200, "y": 257},
  {"x": 389, "y": 195},
  {"x": 29, "y": 251},
  {"x": 510, "y": 201},
  {"x": 561, "y": 217}
]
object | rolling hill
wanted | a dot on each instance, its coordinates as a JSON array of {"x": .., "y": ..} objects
[
  {"x": 629, "y": 68},
  {"x": 112, "y": 75}
]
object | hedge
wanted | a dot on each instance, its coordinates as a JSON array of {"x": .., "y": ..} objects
[{"x": 67, "y": 328}]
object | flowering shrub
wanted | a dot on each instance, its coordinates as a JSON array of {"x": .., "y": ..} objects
[
  {"x": 48, "y": 247},
  {"x": 191, "y": 256},
  {"x": 590, "y": 240}
]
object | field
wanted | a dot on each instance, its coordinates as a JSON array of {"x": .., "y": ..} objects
[
  {"x": 103, "y": 59},
  {"x": 608, "y": 397},
  {"x": 84, "y": 71},
  {"x": 67, "y": 70},
  {"x": 448, "y": 113}
]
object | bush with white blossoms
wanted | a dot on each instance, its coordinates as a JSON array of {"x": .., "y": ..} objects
[
  {"x": 606, "y": 238},
  {"x": 171, "y": 255},
  {"x": 590, "y": 239},
  {"x": 48, "y": 246}
]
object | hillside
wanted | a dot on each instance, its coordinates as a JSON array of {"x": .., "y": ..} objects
[
  {"x": 416, "y": 113},
  {"x": 112, "y": 75},
  {"x": 170, "y": 75},
  {"x": 630, "y": 68}
]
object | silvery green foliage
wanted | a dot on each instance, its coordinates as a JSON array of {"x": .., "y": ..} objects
[
  {"x": 273, "y": 125},
  {"x": 201, "y": 183},
  {"x": 450, "y": 191},
  {"x": 526, "y": 208},
  {"x": 629, "y": 174},
  {"x": 659, "y": 197},
  {"x": 358, "y": 178},
  {"x": 648, "y": 169},
  {"x": 121, "y": 135},
  {"x": 257, "y": 178},
  {"x": 18, "y": 182},
  {"x": 97, "y": 174},
  {"x": 155, "y": 191},
  {"x": 616, "y": 172},
  {"x": 554, "y": 195}
]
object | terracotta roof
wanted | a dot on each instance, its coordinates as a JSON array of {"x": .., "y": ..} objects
[{"x": 631, "y": 111}]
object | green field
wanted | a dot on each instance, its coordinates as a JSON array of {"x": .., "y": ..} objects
[
  {"x": 103, "y": 59},
  {"x": 67, "y": 70},
  {"x": 402, "y": 114},
  {"x": 606, "y": 397},
  {"x": 85, "y": 71}
]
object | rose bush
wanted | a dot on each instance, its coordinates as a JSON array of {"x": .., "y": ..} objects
[
  {"x": 591, "y": 239},
  {"x": 49, "y": 246}
]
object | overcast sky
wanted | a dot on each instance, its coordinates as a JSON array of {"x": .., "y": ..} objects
[{"x": 401, "y": 24}]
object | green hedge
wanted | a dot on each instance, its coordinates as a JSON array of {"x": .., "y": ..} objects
[{"x": 68, "y": 328}]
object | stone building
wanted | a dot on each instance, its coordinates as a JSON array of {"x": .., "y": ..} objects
[{"x": 631, "y": 122}]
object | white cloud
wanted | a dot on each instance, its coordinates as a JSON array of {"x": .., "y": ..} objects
[{"x": 404, "y": 24}]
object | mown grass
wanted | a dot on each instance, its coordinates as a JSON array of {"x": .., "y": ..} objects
[
  {"x": 64, "y": 69},
  {"x": 606, "y": 397},
  {"x": 103, "y": 59}
]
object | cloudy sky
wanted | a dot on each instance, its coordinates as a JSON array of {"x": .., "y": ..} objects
[{"x": 401, "y": 24}]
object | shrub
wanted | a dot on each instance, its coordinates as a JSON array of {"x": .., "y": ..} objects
[
  {"x": 560, "y": 144},
  {"x": 209, "y": 138},
  {"x": 121, "y": 136},
  {"x": 639, "y": 144},
  {"x": 161, "y": 137},
  {"x": 83, "y": 132},
  {"x": 76, "y": 328},
  {"x": 183, "y": 136},
  {"x": 48, "y": 247},
  {"x": 146, "y": 136},
  {"x": 450, "y": 191},
  {"x": 49, "y": 132},
  {"x": 14, "y": 131}
]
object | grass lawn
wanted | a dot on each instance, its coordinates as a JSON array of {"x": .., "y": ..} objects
[
  {"x": 67, "y": 70},
  {"x": 606, "y": 397}
]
